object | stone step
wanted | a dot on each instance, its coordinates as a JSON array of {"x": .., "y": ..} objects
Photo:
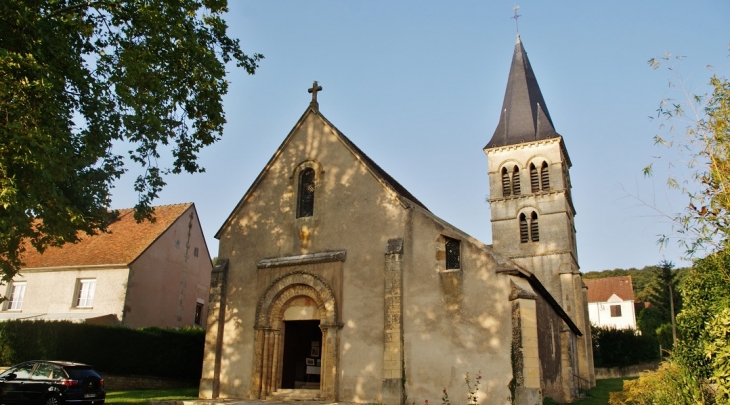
[{"x": 308, "y": 394}]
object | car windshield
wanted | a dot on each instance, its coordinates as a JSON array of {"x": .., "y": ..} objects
[{"x": 81, "y": 372}]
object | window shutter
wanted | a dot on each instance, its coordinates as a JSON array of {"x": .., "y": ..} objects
[
  {"x": 516, "y": 181},
  {"x": 506, "y": 189},
  {"x": 534, "y": 231},
  {"x": 534, "y": 179},
  {"x": 523, "y": 229},
  {"x": 545, "y": 176}
]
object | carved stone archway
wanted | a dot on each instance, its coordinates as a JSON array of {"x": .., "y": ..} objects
[{"x": 268, "y": 340}]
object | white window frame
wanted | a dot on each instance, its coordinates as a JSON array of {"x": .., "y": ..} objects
[
  {"x": 16, "y": 293},
  {"x": 85, "y": 293}
]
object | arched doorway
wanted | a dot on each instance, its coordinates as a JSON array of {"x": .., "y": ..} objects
[{"x": 287, "y": 318}]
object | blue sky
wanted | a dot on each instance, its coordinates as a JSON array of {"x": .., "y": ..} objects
[{"x": 418, "y": 86}]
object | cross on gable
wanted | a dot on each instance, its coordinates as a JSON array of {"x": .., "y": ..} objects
[{"x": 315, "y": 88}]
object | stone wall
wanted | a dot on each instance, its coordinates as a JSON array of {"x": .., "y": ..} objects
[{"x": 604, "y": 373}]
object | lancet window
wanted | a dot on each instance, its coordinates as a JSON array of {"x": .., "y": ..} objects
[
  {"x": 305, "y": 203},
  {"x": 529, "y": 229},
  {"x": 545, "y": 177},
  {"x": 510, "y": 181}
]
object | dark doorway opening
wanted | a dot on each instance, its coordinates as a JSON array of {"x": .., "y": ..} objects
[{"x": 302, "y": 355}]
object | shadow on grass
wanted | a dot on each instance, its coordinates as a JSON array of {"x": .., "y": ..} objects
[{"x": 599, "y": 394}]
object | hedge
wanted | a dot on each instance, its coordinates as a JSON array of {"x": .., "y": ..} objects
[
  {"x": 161, "y": 352},
  {"x": 622, "y": 347}
]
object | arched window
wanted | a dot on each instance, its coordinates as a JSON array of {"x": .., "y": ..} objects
[
  {"x": 305, "y": 204},
  {"x": 516, "y": 181},
  {"x": 534, "y": 231},
  {"x": 524, "y": 237},
  {"x": 545, "y": 177},
  {"x": 534, "y": 179},
  {"x": 506, "y": 186}
]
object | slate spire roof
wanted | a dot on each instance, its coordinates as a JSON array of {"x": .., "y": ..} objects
[{"x": 524, "y": 116}]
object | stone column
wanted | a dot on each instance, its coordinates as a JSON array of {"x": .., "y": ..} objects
[
  {"x": 567, "y": 343},
  {"x": 329, "y": 387},
  {"x": 275, "y": 354},
  {"x": 258, "y": 361},
  {"x": 393, "y": 389},
  {"x": 526, "y": 372},
  {"x": 588, "y": 337},
  {"x": 210, "y": 380}
]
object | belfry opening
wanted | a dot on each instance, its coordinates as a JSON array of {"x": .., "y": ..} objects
[{"x": 302, "y": 357}]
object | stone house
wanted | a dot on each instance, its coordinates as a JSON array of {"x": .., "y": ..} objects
[
  {"x": 138, "y": 274},
  {"x": 611, "y": 302},
  {"x": 336, "y": 283}
]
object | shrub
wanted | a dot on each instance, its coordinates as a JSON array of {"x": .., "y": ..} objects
[
  {"x": 173, "y": 353},
  {"x": 669, "y": 385}
]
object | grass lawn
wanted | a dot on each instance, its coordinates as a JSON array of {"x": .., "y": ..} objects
[
  {"x": 598, "y": 395},
  {"x": 131, "y": 397}
]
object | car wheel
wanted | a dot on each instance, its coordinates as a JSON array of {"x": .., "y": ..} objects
[{"x": 53, "y": 400}]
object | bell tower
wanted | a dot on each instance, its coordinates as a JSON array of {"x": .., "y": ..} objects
[{"x": 530, "y": 199}]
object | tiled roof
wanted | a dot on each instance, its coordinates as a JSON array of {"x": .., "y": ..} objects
[
  {"x": 601, "y": 289},
  {"x": 124, "y": 243}
]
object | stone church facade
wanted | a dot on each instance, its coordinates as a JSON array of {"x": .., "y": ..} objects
[{"x": 335, "y": 283}]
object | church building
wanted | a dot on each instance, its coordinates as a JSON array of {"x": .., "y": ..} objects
[{"x": 335, "y": 283}]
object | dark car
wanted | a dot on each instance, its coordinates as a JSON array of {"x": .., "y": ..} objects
[{"x": 51, "y": 383}]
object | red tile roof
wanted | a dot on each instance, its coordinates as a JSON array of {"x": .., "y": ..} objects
[
  {"x": 124, "y": 243},
  {"x": 601, "y": 289}
]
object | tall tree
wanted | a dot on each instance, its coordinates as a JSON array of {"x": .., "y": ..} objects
[{"x": 81, "y": 79}]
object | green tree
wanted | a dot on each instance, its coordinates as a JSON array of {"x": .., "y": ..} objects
[
  {"x": 80, "y": 80},
  {"x": 702, "y": 352}
]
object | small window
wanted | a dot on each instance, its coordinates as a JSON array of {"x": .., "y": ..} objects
[
  {"x": 15, "y": 297},
  {"x": 195, "y": 252},
  {"x": 524, "y": 231},
  {"x": 85, "y": 297},
  {"x": 545, "y": 177},
  {"x": 306, "y": 193},
  {"x": 534, "y": 179},
  {"x": 198, "y": 313},
  {"x": 506, "y": 183},
  {"x": 615, "y": 311},
  {"x": 534, "y": 231},
  {"x": 453, "y": 253},
  {"x": 516, "y": 181},
  {"x": 43, "y": 371}
]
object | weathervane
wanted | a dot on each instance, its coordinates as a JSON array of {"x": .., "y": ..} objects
[{"x": 516, "y": 16}]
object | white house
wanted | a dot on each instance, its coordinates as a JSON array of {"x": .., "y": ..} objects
[
  {"x": 611, "y": 302},
  {"x": 136, "y": 275}
]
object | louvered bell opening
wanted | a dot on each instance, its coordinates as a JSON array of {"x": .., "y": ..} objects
[
  {"x": 516, "y": 181},
  {"x": 453, "y": 254},
  {"x": 506, "y": 189},
  {"x": 545, "y": 176},
  {"x": 534, "y": 230},
  {"x": 534, "y": 179},
  {"x": 306, "y": 194},
  {"x": 524, "y": 237}
]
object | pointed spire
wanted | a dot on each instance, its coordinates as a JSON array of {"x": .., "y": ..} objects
[{"x": 524, "y": 116}]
